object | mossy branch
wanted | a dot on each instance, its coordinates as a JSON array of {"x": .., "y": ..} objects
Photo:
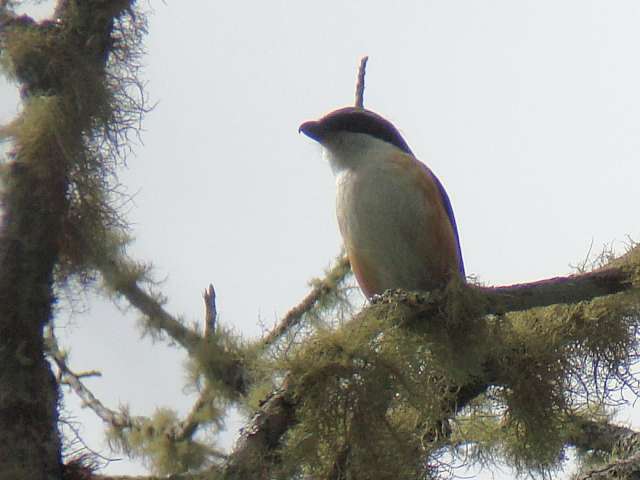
[
  {"x": 261, "y": 439},
  {"x": 464, "y": 343},
  {"x": 279, "y": 413},
  {"x": 324, "y": 290},
  {"x": 603, "y": 437},
  {"x": 166, "y": 442},
  {"x": 619, "y": 469},
  {"x": 73, "y": 380},
  {"x": 124, "y": 277}
]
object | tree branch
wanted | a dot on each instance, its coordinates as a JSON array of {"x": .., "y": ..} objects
[
  {"x": 116, "y": 274},
  {"x": 277, "y": 415},
  {"x": 621, "y": 469},
  {"x": 570, "y": 289},
  {"x": 616, "y": 441},
  {"x": 68, "y": 377},
  {"x": 259, "y": 440},
  {"x": 604, "y": 437},
  {"x": 322, "y": 288}
]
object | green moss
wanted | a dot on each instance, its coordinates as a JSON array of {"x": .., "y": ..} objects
[
  {"x": 370, "y": 394},
  {"x": 549, "y": 361},
  {"x": 492, "y": 435},
  {"x": 24, "y": 55},
  {"x": 219, "y": 361},
  {"x": 39, "y": 127},
  {"x": 81, "y": 102},
  {"x": 153, "y": 439}
]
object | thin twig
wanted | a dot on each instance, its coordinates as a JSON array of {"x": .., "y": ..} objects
[
  {"x": 320, "y": 288},
  {"x": 211, "y": 312},
  {"x": 360, "y": 83},
  {"x": 68, "y": 377},
  {"x": 190, "y": 425},
  {"x": 83, "y": 445}
]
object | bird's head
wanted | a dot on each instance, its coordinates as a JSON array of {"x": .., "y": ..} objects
[{"x": 350, "y": 127}]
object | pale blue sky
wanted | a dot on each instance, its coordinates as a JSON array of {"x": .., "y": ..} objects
[{"x": 528, "y": 111}]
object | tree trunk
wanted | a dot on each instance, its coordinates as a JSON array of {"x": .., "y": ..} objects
[
  {"x": 33, "y": 206},
  {"x": 60, "y": 66}
]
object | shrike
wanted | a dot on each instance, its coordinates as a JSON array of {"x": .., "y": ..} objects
[{"x": 394, "y": 215}]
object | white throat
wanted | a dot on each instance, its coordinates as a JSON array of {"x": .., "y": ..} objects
[{"x": 351, "y": 151}]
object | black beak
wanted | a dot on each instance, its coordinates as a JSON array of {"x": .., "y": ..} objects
[{"x": 312, "y": 129}]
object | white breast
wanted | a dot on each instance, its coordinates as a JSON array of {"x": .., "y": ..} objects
[{"x": 381, "y": 211}]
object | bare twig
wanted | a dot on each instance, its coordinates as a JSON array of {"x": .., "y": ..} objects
[
  {"x": 360, "y": 84},
  {"x": 211, "y": 312},
  {"x": 83, "y": 448}
]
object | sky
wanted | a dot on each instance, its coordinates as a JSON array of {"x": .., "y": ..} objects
[{"x": 528, "y": 112}]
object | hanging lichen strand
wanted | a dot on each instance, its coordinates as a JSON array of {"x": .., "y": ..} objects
[{"x": 82, "y": 98}]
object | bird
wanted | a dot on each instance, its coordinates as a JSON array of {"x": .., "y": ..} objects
[{"x": 394, "y": 215}]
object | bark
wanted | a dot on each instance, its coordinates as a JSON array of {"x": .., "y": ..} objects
[
  {"x": 604, "y": 437},
  {"x": 623, "y": 469},
  {"x": 33, "y": 209},
  {"x": 255, "y": 450},
  {"x": 570, "y": 289},
  {"x": 620, "y": 442}
]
